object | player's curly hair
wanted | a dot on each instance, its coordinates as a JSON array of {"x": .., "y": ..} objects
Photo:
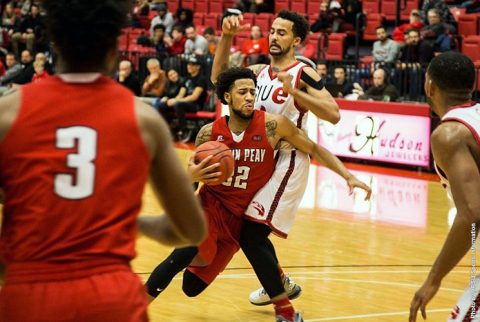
[
  {"x": 85, "y": 30},
  {"x": 452, "y": 72},
  {"x": 300, "y": 27},
  {"x": 227, "y": 78}
]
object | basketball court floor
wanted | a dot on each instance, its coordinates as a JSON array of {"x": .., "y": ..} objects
[{"x": 355, "y": 260}]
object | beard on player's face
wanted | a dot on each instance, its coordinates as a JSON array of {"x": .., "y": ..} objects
[
  {"x": 238, "y": 111},
  {"x": 280, "y": 53}
]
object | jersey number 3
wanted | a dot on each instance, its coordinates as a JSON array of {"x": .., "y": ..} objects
[{"x": 80, "y": 185}]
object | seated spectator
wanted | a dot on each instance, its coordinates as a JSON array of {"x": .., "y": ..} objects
[
  {"x": 196, "y": 44},
  {"x": 415, "y": 50},
  {"x": 415, "y": 22},
  {"x": 40, "y": 72},
  {"x": 322, "y": 70},
  {"x": 9, "y": 22},
  {"x": 14, "y": 68},
  {"x": 209, "y": 34},
  {"x": 128, "y": 78},
  {"x": 435, "y": 33},
  {"x": 30, "y": 30},
  {"x": 472, "y": 6},
  {"x": 196, "y": 92},
  {"x": 164, "y": 17},
  {"x": 443, "y": 12},
  {"x": 384, "y": 49},
  {"x": 141, "y": 8},
  {"x": 174, "y": 90},
  {"x": 176, "y": 43},
  {"x": 255, "y": 49},
  {"x": 27, "y": 72},
  {"x": 340, "y": 78},
  {"x": 157, "y": 41},
  {"x": 258, "y": 6},
  {"x": 351, "y": 9},
  {"x": 184, "y": 18},
  {"x": 41, "y": 57},
  {"x": 381, "y": 90},
  {"x": 330, "y": 18},
  {"x": 154, "y": 83}
]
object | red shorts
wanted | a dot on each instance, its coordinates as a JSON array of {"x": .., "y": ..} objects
[
  {"x": 217, "y": 250},
  {"x": 113, "y": 296}
]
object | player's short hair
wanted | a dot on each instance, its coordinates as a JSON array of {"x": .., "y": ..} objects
[
  {"x": 300, "y": 27},
  {"x": 452, "y": 72},
  {"x": 226, "y": 80},
  {"x": 85, "y": 30}
]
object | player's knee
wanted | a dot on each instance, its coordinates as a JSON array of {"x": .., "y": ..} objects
[{"x": 192, "y": 285}]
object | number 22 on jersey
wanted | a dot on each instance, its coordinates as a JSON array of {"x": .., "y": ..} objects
[
  {"x": 82, "y": 184},
  {"x": 239, "y": 178}
]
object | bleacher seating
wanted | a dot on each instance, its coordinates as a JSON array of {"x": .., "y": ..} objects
[
  {"x": 471, "y": 46},
  {"x": 298, "y": 6},
  {"x": 468, "y": 25},
  {"x": 281, "y": 5},
  {"x": 371, "y": 6},
  {"x": 373, "y": 20},
  {"x": 336, "y": 46}
]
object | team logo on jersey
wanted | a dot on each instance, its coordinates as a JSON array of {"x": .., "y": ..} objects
[
  {"x": 257, "y": 138},
  {"x": 259, "y": 207},
  {"x": 220, "y": 138},
  {"x": 455, "y": 312}
]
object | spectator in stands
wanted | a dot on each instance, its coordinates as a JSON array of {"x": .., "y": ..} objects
[
  {"x": 164, "y": 17},
  {"x": 196, "y": 92},
  {"x": 381, "y": 90},
  {"x": 176, "y": 43},
  {"x": 184, "y": 18},
  {"x": 258, "y": 6},
  {"x": 209, "y": 34},
  {"x": 471, "y": 6},
  {"x": 174, "y": 91},
  {"x": 340, "y": 78},
  {"x": 351, "y": 8},
  {"x": 384, "y": 50},
  {"x": 196, "y": 44},
  {"x": 157, "y": 41},
  {"x": 24, "y": 6},
  {"x": 40, "y": 72},
  {"x": 9, "y": 20},
  {"x": 322, "y": 70},
  {"x": 154, "y": 83},
  {"x": 42, "y": 58},
  {"x": 255, "y": 49},
  {"x": 443, "y": 11},
  {"x": 141, "y": 8},
  {"x": 128, "y": 78},
  {"x": 435, "y": 32},
  {"x": 30, "y": 30},
  {"x": 415, "y": 50},
  {"x": 329, "y": 19},
  {"x": 14, "y": 68},
  {"x": 415, "y": 21},
  {"x": 27, "y": 72}
]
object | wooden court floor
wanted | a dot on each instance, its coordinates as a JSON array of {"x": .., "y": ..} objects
[{"x": 355, "y": 260}]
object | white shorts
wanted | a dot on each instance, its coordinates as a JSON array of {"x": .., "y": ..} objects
[
  {"x": 464, "y": 310},
  {"x": 277, "y": 202}
]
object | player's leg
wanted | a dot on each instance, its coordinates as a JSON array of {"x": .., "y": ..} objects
[
  {"x": 260, "y": 253},
  {"x": 164, "y": 273}
]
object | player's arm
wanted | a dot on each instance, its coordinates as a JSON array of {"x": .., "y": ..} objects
[
  {"x": 316, "y": 98},
  {"x": 287, "y": 131},
  {"x": 231, "y": 25},
  {"x": 453, "y": 156},
  {"x": 201, "y": 172},
  {"x": 185, "y": 222}
]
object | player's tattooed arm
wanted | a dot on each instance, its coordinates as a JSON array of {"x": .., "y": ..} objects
[
  {"x": 256, "y": 68},
  {"x": 204, "y": 135},
  {"x": 271, "y": 127}
]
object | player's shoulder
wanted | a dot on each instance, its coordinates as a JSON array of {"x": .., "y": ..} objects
[
  {"x": 204, "y": 135},
  {"x": 451, "y": 135},
  {"x": 257, "y": 68},
  {"x": 9, "y": 109}
]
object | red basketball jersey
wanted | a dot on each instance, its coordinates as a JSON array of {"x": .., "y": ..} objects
[
  {"x": 254, "y": 163},
  {"x": 73, "y": 166}
]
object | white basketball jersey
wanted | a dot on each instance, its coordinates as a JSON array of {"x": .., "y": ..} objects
[
  {"x": 272, "y": 99},
  {"x": 469, "y": 116}
]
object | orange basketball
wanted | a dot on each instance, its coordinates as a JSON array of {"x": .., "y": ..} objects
[{"x": 221, "y": 154}]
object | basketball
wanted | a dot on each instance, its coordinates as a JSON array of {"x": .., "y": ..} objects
[{"x": 220, "y": 153}]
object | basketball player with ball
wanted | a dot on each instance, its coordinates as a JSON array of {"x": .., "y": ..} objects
[
  {"x": 252, "y": 137},
  {"x": 290, "y": 88},
  {"x": 456, "y": 149}
]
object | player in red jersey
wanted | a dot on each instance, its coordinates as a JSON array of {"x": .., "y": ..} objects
[
  {"x": 245, "y": 130},
  {"x": 75, "y": 154},
  {"x": 449, "y": 84}
]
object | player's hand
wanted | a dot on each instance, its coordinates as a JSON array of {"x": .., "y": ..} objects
[
  {"x": 286, "y": 79},
  {"x": 353, "y": 182},
  {"x": 421, "y": 299},
  {"x": 201, "y": 172},
  {"x": 231, "y": 25}
]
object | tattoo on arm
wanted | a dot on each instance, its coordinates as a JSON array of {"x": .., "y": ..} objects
[
  {"x": 271, "y": 127},
  {"x": 204, "y": 135}
]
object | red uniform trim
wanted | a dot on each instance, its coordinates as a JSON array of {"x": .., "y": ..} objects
[{"x": 472, "y": 130}]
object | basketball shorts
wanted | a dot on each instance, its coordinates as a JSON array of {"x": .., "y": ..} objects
[
  {"x": 113, "y": 296},
  {"x": 277, "y": 202},
  {"x": 217, "y": 250},
  {"x": 468, "y": 305}
]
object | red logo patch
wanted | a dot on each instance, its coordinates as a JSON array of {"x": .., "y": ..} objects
[{"x": 259, "y": 207}]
